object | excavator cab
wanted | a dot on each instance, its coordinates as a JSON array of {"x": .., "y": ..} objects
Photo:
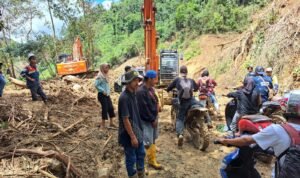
[{"x": 169, "y": 66}]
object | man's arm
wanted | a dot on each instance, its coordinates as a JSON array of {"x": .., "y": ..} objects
[
  {"x": 128, "y": 128},
  {"x": 239, "y": 142},
  {"x": 172, "y": 85},
  {"x": 195, "y": 86},
  {"x": 145, "y": 112},
  {"x": 24, "y": 74},
  {"x": 233, "y": 95}
]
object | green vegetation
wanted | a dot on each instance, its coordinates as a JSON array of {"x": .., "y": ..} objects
[{"x": 117, "y": 34}]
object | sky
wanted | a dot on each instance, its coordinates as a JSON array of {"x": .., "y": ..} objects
[{"x": 43, "y": 25}]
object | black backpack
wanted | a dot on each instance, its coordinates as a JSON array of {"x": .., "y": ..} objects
[{"x": 291, "y": 164}]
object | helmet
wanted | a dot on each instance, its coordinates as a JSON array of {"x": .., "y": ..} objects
[
  {"x": 205, "y": 73},
  {"x": 293, "y": 104},
  {"x": 259, "y": 70},
  {"x": 183, "y": 70}
]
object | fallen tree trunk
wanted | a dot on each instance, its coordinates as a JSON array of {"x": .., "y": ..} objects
[{"x": 66, "y": 160}]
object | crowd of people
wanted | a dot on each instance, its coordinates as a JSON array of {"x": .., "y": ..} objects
[{"x": 139, "y": 107}]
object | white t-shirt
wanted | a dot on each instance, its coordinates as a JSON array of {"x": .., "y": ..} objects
[{"x": 275, "y": 137}]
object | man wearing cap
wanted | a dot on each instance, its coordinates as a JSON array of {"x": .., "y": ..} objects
[
  {"x": 32, "y": 76},
  {"x": 148, "y": 107},
  {"x": 185, "y": 88},
  {"x": 2, "y": 81},
  {"x": 130, "y": 127},
  {"x": 269, "y": 72},
  {"x": 263, "y": 83}
]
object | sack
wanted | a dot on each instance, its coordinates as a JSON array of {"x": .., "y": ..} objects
[
  {"x": 187, "y": 87},
  {"x": 291, "y": 165}
]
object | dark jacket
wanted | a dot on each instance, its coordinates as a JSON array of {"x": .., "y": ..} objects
[
  {"x": 147, "y": 103},
  {"x": 32, "y": 72},
  {"x": 176, "y": 84},
  {"x": 246, "y": 104}
]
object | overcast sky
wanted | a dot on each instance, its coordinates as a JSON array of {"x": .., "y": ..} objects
[{"x": 43, "y": 24}]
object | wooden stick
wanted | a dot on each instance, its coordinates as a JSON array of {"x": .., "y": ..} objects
[
  {"x": 46, "y": 173},
  {"x": 68, "y": 128},
  {"x": 106, "y": 142},
  {"x": 68, "y": 168}
]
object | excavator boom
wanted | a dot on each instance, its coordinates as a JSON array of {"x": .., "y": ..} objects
[{"x": 149, "y": 11}]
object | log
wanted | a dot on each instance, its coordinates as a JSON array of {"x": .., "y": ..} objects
[
  {"x": 51, "y": 154},
  {"x": 17, "y": 82}
]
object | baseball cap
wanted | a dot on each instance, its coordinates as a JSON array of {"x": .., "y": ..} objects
[{"x": 151, "y": 74}]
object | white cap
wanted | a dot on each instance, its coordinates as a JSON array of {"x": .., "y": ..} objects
[
  {"x": 30, "y": 55},
  {"x": 269, "y": 69}
]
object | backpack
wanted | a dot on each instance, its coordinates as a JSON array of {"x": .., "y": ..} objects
[
  {"x": 187, "y": 87},
  {"x": 206, "y": 85},
  {"x": 291, "y": 165}
]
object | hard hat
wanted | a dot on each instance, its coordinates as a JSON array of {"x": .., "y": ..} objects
[{"x": 260, "y": 70}]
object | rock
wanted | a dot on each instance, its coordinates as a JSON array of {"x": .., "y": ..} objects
[
  {"x": 103, "y": 173},
  {"x": 76, "y": 87}
]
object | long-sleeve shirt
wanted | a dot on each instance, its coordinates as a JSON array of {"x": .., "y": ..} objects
[
  {"x": 246, "y": 104},
  {"x": 177, "y": 84},
  {"x": 206, "y": 85},
  {"x": 102, "y": 86},
  {"x": 32, "y": 72},
  {"x": 147, "y": 103},
  {"x": 263, "y": 84}
]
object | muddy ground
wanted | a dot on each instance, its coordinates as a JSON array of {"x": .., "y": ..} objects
[{"x": 68, "y": 127}]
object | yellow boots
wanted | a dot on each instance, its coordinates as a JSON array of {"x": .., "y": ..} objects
[{"x": 151, "y": 157}]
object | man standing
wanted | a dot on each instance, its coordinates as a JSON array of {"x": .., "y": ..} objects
[
  {"x": 185, "y": 88},
  {"x": 2, "y": 81},
  {"x": 130, "y": 127},
  {"x": 148, "y": 107},
  {"x": 269, "y": 72},
  {"x": 263, "y": 83},
  {"x": 32, "y": 76}
]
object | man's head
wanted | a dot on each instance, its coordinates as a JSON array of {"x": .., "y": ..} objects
[
  {"x": 183, "y": 71},
  {"x": 150, "y": 78},
  {"x": 259, "y": 70},
  {"x": 104, "y": 68},
  {"x": 205, "y": 73},
  {"x": 269, "y": 71},
  {"x": 132, "y": 80},
  {"x": 128, "y": 69},
  {"x": 250, "y": 68},
  {"x": 32, "y": 59},
  {"x": 293, "y": 105}
]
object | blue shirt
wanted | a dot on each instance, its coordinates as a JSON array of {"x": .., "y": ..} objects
[
  {"x": 32, "y": 72},
  {"x": 262, "y": 86},
  {"x": 102, "y": 86}
]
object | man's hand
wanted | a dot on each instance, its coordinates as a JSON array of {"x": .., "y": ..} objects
[
  {"x": 134, "y": 142},
  {"x": 154, "y": 123},
  {"x": 224, "y": 95},
  {"x": 31, "y": 79},
  {"x": 105, "y": 94}
]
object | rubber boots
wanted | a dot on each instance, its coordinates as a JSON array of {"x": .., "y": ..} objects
[
  {"x": 151, "y": 156},
  {"x": 134, "y": 176},
  {"x": 141, "y": 174}
]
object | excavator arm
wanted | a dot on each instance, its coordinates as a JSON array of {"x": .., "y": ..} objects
[{"x": 151, "y": 38}]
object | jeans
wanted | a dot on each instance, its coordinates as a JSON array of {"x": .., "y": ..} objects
[
  {"x": 233, "y": 125},
  {"x": 207, "y": 116},
  {"x": 184, "y": 106},
  {"x": 134, "y": 157},
  {"x": 214, "y": 101},
  {"x": 2, "y": 84},
  {"x": 37, "y": 90}
]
